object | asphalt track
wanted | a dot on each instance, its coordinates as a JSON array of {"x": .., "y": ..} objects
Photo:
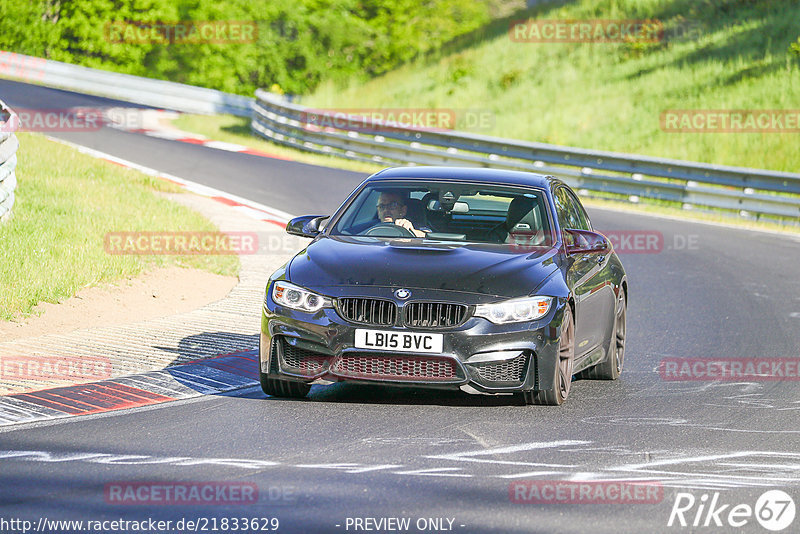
[{"x": 353, "y": 451}]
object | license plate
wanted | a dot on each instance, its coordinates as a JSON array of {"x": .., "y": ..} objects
[{"x": 398, "y": 341}]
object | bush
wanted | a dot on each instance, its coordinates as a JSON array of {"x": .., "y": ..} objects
[
  {"x": 299, "y": 42},
  {"x": 794, "y": 48}
]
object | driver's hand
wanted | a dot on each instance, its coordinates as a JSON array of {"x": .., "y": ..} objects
[{"x": 405, "y": 223}]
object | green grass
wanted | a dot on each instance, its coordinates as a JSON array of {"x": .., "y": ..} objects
[
  {"x": 609, "y": 96},
  {"x": 66, "y": 202}
]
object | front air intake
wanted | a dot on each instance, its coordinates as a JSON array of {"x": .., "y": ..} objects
[
  {"x": 375, "y": 312},
  {"x": 434, "y": 314},
  {"x": 390, "y": 367}
]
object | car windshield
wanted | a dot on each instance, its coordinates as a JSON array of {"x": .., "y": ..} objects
[{"x": 448, "y": 211}]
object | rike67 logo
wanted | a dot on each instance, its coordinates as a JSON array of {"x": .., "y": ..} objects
[{"x": 774, "y": 510}]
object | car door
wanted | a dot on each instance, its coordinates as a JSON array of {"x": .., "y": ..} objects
[{"x": 589, "y": 280}]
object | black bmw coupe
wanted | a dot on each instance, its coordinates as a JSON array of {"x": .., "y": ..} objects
[{"x": 488, "y": 281}]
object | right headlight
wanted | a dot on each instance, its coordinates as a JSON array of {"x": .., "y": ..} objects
[
  {"x": 298, "y": 298},
  {"x": 515, "y": 310}
]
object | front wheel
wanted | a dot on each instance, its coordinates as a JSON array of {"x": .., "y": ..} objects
[
  {"x": 611, "y": 368},
  {"x": 276, "y": 387},
  {"x": 562, "y": 381}
]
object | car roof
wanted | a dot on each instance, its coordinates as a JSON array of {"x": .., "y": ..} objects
[{"x": 466, "y": 174}]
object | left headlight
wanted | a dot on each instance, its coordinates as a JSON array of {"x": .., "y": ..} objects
[
  {"x": 515, "y": 310},
  {"x": 298, "y": 298}
]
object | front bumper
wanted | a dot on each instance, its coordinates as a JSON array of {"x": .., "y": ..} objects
[{"x": 477, "y": 356}]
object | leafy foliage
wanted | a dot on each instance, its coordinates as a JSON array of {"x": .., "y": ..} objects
[
  {"x": 794, "y": 48},
  {"x": 298, "y": 43}
]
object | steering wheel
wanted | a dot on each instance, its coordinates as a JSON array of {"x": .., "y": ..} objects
[{"x": 388, "y": 229}]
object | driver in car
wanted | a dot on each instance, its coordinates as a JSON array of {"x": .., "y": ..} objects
[{"x": 392, "y": 209}]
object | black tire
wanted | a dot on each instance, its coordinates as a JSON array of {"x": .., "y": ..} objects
[
  {"x": 283, "y": 388},
  {"x": 562, "y": 381},
  {"x": 611, "y": 368},
  {"x": 277, "y": 387}
]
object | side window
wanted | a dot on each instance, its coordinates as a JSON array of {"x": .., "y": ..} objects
[
  {"x": 363, "y": 214},
  {"x": 368, "y": 210},
  {"x": 578, "y": 214},
  {"x": 562, "y": 209}
]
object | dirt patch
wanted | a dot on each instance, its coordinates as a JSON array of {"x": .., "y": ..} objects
[{"x": 158, "y": 293}]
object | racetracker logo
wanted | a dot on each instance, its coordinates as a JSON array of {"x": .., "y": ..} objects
[
  {"x": 21, "y": 66},
  {"x": 181, "y": 493},
  {"x": 50, "y": 368},
  {"x": 387, "y": 120},
  {"x": 649, "y": 241},
  {"x": 774, "y": 510},
  {"x": 730, "y": 121},
  {"x": 182, "y": 32},
  {"x": 181, "y": 243},
  {"x": 636, "y": 241},
  {"x": 586, "y": 31},
  {"x": 733, "y": 369},
  {"x": 623, "y": 241},
  {"x": 585, "y": 492},
  {"x": 55, "y": 120}
]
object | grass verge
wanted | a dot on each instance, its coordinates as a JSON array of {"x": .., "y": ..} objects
[{"x": 65, "y": 204}]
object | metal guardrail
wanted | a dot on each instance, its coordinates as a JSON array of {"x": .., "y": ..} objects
[
  {"x": 747, "y": 191},
  {"x": 8, "y": 159},
  {"x": 147, "y": 91}
]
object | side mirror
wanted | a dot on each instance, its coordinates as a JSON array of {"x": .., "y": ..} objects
[
  {"x": 583, "y": 241},
  {"x": 305, "y": 226}
]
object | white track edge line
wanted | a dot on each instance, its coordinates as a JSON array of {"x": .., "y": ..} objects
[{"x": 188, "y": 184}]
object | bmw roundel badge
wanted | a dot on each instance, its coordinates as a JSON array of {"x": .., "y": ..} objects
[{"x": 402, "y": 294}]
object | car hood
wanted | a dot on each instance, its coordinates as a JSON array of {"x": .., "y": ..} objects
[{"x": 500, "y": 270}]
